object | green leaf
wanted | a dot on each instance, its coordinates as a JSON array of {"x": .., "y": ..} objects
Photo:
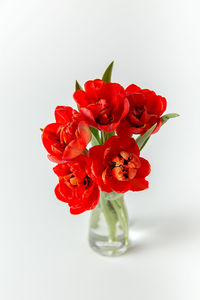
[
  {"x": 77, "y": 86},
  {"x": 144, "y": 143},
  {"x": 165, "y": 118},
  {"x": 96, "y": 140},
  {"x": 108, "y": 72},
  {"x": 142, "y": 139},
  {"x": 106, "y": 135},
  {"x": 109, "y": 134}
]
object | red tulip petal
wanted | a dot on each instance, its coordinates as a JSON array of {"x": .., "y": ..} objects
[
  {"x": 92, "y": 197},
  {"x": 104, "y": 187},
  {"x": 126, "y": 108},
  {"x": 119, "y": 186},
  {"x": 80, "y": 98},
  {"x": 88, "y": 116},
  {"x": 164, "y": 104},
  {"x": 96, "y": 156},
  {"x": 63, "y": 114},
  {"x": 93, "y": 89},
  {"x": 77, "y": 210},
  {"x": 49, "y": 135},
  {"x": 124, "y": 128},
  {"x": 61, "y": 169},
  {"x": 55, "y": 159},
  {"x": 159, "y": 124},
  {"x": 131, "y": 146},
  {"x": 58, "y": 194},
  {"x": 72, "y": 150},
  {"x": 107, "y": 128},
  {"x": 144, "y": 170},
  {"x": 139, "y": 184},
  {"x": 153, "y": 103},
  {"x": 84, "y": 133},
  {"x": 132, "y": 89}
]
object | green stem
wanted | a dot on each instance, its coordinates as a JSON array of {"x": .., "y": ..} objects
[
  {"x": 110, "y": 217},
  {"x": 106, "y": 135},
  {"x": 103, "y": 137},
  {"x": 120, "y": 209},
  {"x": 114, "y": 210}
]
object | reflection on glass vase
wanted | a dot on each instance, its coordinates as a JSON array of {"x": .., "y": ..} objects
[{"x": 108, "y": 229}]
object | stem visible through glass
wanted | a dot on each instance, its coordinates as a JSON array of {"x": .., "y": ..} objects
[{"x": 114, "y": 210}]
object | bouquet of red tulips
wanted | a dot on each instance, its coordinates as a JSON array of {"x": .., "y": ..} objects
[{"x": 108, "y": 116}]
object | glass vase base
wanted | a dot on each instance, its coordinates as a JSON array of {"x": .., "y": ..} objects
[{"x": 103, "y": 246}]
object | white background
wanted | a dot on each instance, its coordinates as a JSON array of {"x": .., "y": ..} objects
[{"x": 44, "y": 47}]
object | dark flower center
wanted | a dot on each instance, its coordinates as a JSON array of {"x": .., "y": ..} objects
[
  {"x": 72, "y": 181},
  {"x": 135, "y": 115},
  {"x": 87, "y": 181},
  {"x": 138, "y": 111},
  {"x": 123, "y": 167},
  {"x": 104, "y": 112}
]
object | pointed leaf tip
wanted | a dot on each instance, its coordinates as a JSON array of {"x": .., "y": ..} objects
[
  {"x": 77, "y": 86},
  {"x": 108, "y": 73},
  {"x": 165, "y": 118}
]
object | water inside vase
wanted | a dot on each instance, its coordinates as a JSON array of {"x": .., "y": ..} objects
[{"x": 108, "y": 229}]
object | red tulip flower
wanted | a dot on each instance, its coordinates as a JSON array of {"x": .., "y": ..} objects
[
  {"x": 145, "y": 110},
  {"x": 117, "y": 165},
  {"x": 68, "y": 137},
  {"x": 76, "y": 187},
  {"x": 102, "y": 104}
]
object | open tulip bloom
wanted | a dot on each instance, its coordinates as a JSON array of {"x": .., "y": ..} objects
[{"x": 108, "y": 116}]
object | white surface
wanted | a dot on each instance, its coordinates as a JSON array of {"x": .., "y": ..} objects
[{"x": 44, "y": 47}]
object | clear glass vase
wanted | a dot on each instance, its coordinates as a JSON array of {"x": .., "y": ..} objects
[{"x": 108, "y": 228}]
